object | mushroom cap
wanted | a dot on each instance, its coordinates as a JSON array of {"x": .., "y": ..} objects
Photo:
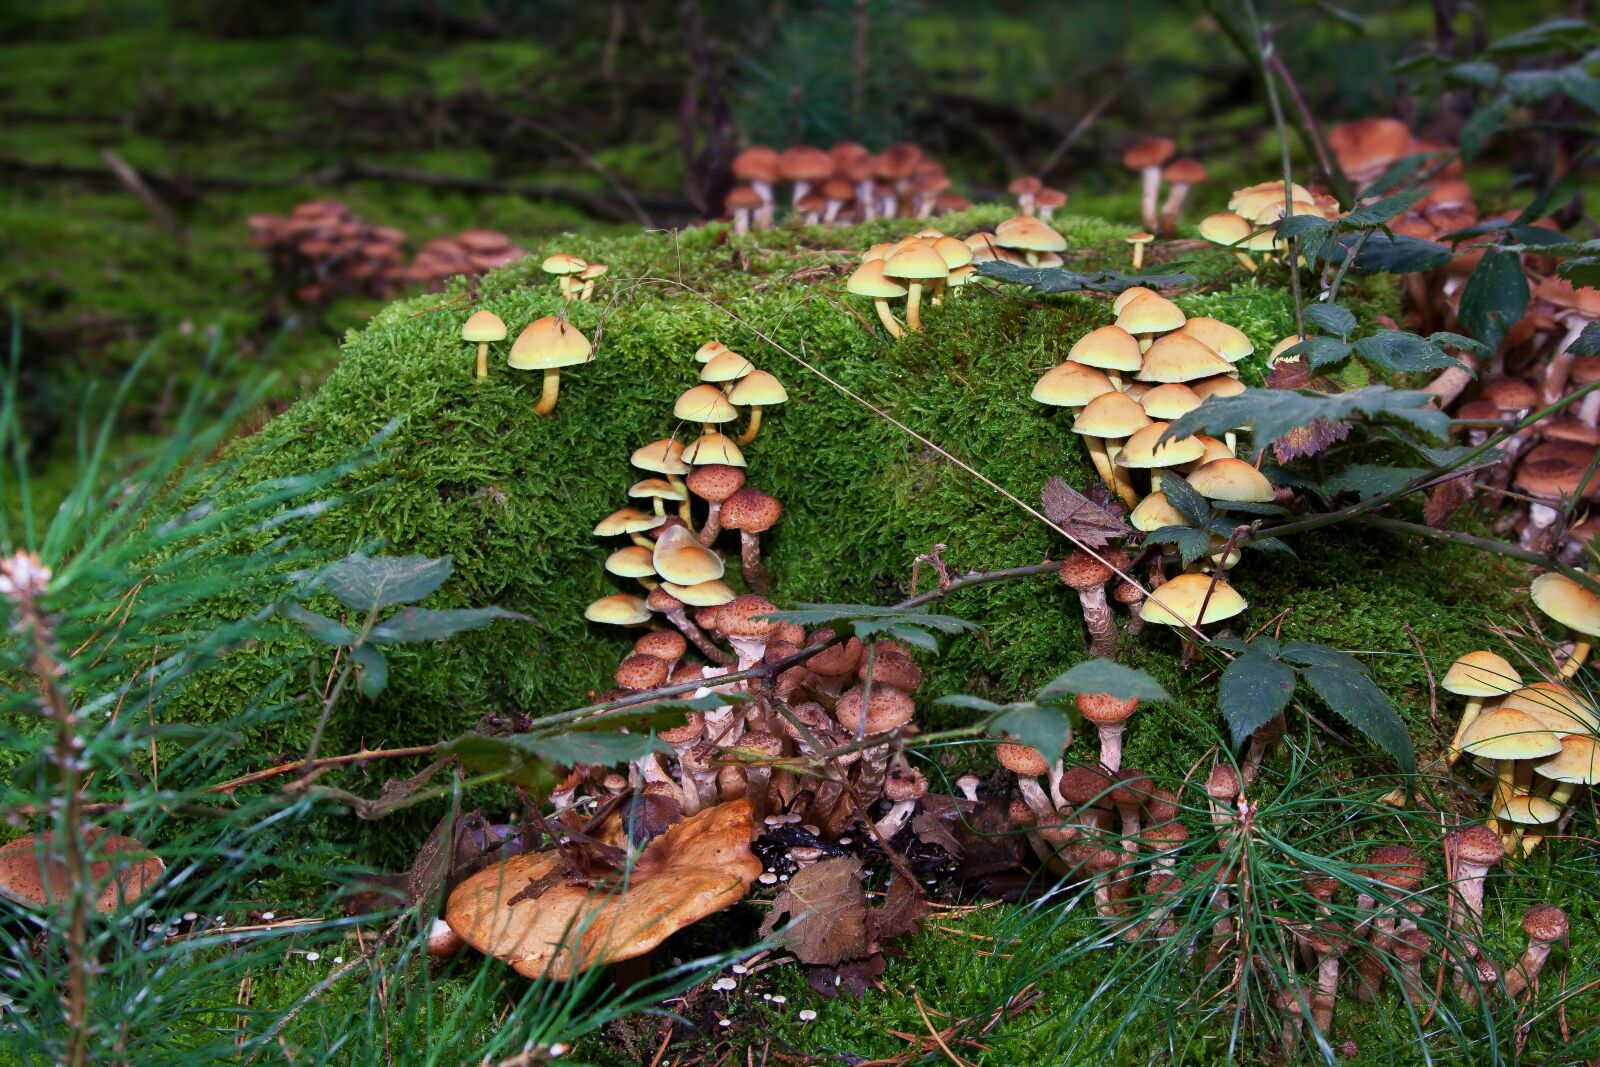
[
  {"x": 750, "y": 510},
  {"x": 1021, "y": 759},
  {"x": 681, "y": 559},
  {"x": 631, "y": 561},
  {"x": 887, "y": 709},
  {"x": 726, "y": 367},
  {"x": 1177, "y": 602},
  {"x": 482, "y": 326},
  {"x": 1223, "y": 782},
  {"x": 1217, "y": 385},
  {"x": 1545, "y": 922},
  {"x": 903, "y": 784},
  {"x": 1128, "y": 296},
  {"x": 618, "y": 609},
  {"x": 743, "y": 198},
  {"x": 1481, "y": 674},
  {"x": 758, "y": 163},
  {"x": 835, "y": 661},
  {"x": 1507, "y": 734},
  {"x": 1154, "y": 512},
  {"x": 655, "y": 489},
  {"x": 658, "y": 599},
  {"x": 1283, "y": 346},
  {"x": 1082, "y": 571},
  {"x": 1578, "y": 762},
  {"x": 1140, "y": 238},
  {"x": 1567, "y": 602},
  {"x": 1150, "y": 313},
  {"x": 1109, "y": 347},
  {"x": 704, "y": 403},
  {"x": 562, "y": 263},
  {"x": 955, "y": 251},
  {"x": 745, "y": 617},
  {"x": 1225, "y": 228},
  {"x": 915, "y": 262},
  {"x": 1229, "y": 342},
  {"x": 709, "y": 351},
  {"x": 664, "y": 457},
  {"x": 1475, "y": 844},
  {"x": 1103, "y": 709},
  {"x": 804, "y": 163},
  {"x": 1084, "y": 783},
  {"x": 1558, "y": 708},
  {"x": 1180, "y": 358},
  {"x": 1071, "y": 385},
  {"x": 1509, "y": 394},
  {"x": 1171, "y": 400},
  {"x": 694, "y": 722},
  {"x": 1367, "y": 145},
  {"x": 891, "y": 666},
  {"x": 1050, "y": 198},
  {"x": 1111, "y": 415},
  {"x": 1184, "y": 170},
  {"x": 627, "y": 521},
  {"x": 696, "y": 868},
  {"x": 1024, "y": 185},
  {"x": 715, "y": 482},
  {"x": 668, "y": 646},
  {"x": 23, "y": 880},
  {"x": 1026, "y": 233},
  {"x": 641, "y": 671},
  {"x": 1396, "y": 866},
  {"x": 1554, "y": 478},
  {"x": 593, "y": 271},
  {"x": 549, "y": 343},
  {"x": 1148, "y": 152},
  {"x": 758, "y": 388},
  {"x": 702, "y": 594},
  {"x": 1142, "y": 450},
  {"x": 712, "y": 448},
  {"x": 1527, "y": 810},
  {"x": 1232, "y": 480},
  {"x": 869, "y": 279}
]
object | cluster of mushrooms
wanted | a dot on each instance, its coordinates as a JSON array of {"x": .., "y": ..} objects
[
  {"x": 574, "y": 275},
  {"x": 1537, "y": 743},
  {"x": 1155, "y": 160},
  {"x": 1247, "y": 227},
  {"x": 322, "y": 252},
  {"x": 546, "y": 344},
  {"x": 841, "y": 185},
  {"x": 470, "y": 252},
  {"x": 930, "y": 260}
]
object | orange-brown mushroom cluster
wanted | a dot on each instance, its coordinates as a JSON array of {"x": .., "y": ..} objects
[
  {"x": 842, "y": 185},
  {"x": 322, "y": 252},
  {"x": 469, "y": 252}
]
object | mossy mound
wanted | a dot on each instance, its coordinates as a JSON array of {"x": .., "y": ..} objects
[{"x": 473, "y": 473}]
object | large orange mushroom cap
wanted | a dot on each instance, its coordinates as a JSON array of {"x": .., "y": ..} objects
[
  {"x": 528, "y": 912},
  {"x": 123, "y": 879}
]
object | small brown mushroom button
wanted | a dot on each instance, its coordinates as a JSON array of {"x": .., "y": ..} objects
[{"x": 714, "y": 483}]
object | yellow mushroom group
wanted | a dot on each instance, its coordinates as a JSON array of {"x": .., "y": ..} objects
[
  {"x": 1247, "y": 227},
  {"x": 574, "y": 276}
]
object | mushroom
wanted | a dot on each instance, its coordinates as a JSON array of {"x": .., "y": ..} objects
[
  {"x": 707, "y": 405},
  {"x": 1074, "y": 385},
  {"x": 865, "y": 715},
  {"x": 903, "y": 788},
  {"x": 714, "y": 483},
  {"x": 756, "y": 390},
  {"x": 588, "y": 275},
  {"x": 1476, "y": 676},
  {"x": 1574, "y": 607},
  {"x": 805, "y": 166},
  {"x": 1395, "y": 868},
  {"x": 915, "y": 265},
  {"x": 668, "y": 646},
  {"x": 657, "y": 490},
  {"x": 548, "y": 344},
  {"x": 758, "y": 165},
  {"x": 537, "y": 913},
  {"x": 1179, "y": 602},
  {"x": 744, "y": 202},
  {"x": 1233, "y": 232},
  {"x": 725, "y": 368},
  {"x": 681, "y": 559},
  {"x": 564, "y": 267},
  {"x": 1471, "y": 851},
  {"x": 1131, "y": 788},
  {"x": 1130, "y": 596},
  {"x": 1179, "y": 175},
  {"x": 641, "y": 671},
  {"x": 1048, "y": 201},
  {"x": 1576, "y": 308},
  {"x": 1578, "y": 763},
  {"x": 674, "y": 609},
  {"x": 1148, "y": 314},
  {"x": 1109, "y": 348},
  {"x": 1326, "y": 939},
  {"x": 1506, "y": 735},
  {"x": 1027, "y": 763},
  {"x": 618, "y": 609},
  {"x": 833, "y": 668},
  {"x": 1139, "y": 241},
  {"x": 483, "y": 328},
  {"x": 1106, "y": 421},
  {"x": 870, "y": 280},
  {"x": 1025, "y": 189},
  {"x": 752, "y": 513},
  {"x": 1146, "y": 155},
  {"x": 1110, "y": 717},
  {"x": 1146, "y": 451},
  {"x": 1550, "y": 481},
  {"x": 666, "y": 457},
  {"x": 1179, "y": 357},
  {"x": 120, "y": 870},
  {"x": 1087, "y": 576},
  {"x": 1545, "y": 924},
  {"x": 757, "y": 750},
  {"x": 1222, "y": 787},
  {"x": 743, "y": 621},
  {"x": 1229, "y": 342},
  {"x": 1039, "y": 244},
  {"x": 711, "y": 448}
]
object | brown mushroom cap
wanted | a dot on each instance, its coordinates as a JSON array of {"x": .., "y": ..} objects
[
  {"x": 904, "y": 783},
  {"x": 1545, "y": 922},
  {"x": 1475, "y": 844},
  {"x": 1396, "y": 866},
  {"x": 696, "y": 868},
  {"x": 665, "y": 645},
  {"x": 715, "y": 482},
  {"x": 891, "y": 666},
  {"x": 1081, "y": 571},
  {"x": 1222, "y": 783},
  {"x": 1148, "y": 152},
  {"x": 1084, "y": 783},
  {"x": 694, "y": 722},
  {"x": 1102, "y": 709},
  {"x": 21, "y": 878},
  {"x": 641, "y": 671},
  {"x": 758, "y": 163},
  {"x": 742, "y": 617},
  {"x": 837, "y": 660},
  {"x": 750, "y": 510},
  {"x": 888, "y": 709},
  {"x": 1021, "y": 759}
]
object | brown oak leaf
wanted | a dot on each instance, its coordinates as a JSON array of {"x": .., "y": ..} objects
[
  {"x": 1093, "y": 524},
  {"x": 1446, "y": 498},
  {"x": 827, "y": 909}
]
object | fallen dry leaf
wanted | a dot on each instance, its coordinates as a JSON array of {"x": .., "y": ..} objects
[
  {"x": 827, "y": 909},
  {"x": 1093, "y": 524},
  {"x": 854, "y": 977},
  {"x": 1446, "y": 498}
]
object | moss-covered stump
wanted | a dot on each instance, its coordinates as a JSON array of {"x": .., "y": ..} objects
[{"x": 472, "y": 472}]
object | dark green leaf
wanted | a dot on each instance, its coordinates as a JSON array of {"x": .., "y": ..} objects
[
  {"x": 426, "y": 624},
  {"x": 1311, "y": 654},
  {"x": 1274, "y": 412},
  {"x": 1249, "y": 507},
  {"x": 1478, "y": 73},
  {"x": 1496, "y": 296},
  {"x": 1045, "y": 728},
  {"x": 1456, "y": 340},
  {"x": 1366, "y": 480},
  {"x": 482, "y": 754},
  {"x": 1335, "y": 319},
  {"x": 1587, "y": 343},
  {"x": 321, "y": 627},
  {"x": 1545, "y": 37},
  {"x": 1381, "y": 211},
  {"x": 1386, "y": 253},
  {"x": 1188, "y": 502},
  {"x": 1103, "y": 676},
  {"x": 1191, "y": 543},
  {"x": 1269, "y": 544},
  {"x": 1231, "y": 644},
  {"x": 1477, "y": 130},
  {"x": 867, "y": 621},
  {"x": 1583, "y": 272},
  {"x": 1532, "y": 86},
  {"x": 1061, "y": 280},
  {"x": 374, "y": 670},
  {"x": 1307, "y": 229},
  {"x": 1397, "y": 173},
  {"x": 1358, "y": 700},
  {"x": 988, "y": 707},
  {"x": 1403, "y": 353},
  {"x": 1253, "y": 690},
  {"x": 1581, "y": 86},
  {"x": 596, "y": 749},
  {"x": 1319, "y": 351},
  {"x": 366, "y": 583}
]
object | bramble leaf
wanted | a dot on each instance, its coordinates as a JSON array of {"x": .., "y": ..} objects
[
  {"x": 1103, "y": 676},
  {"x": 1254, "y": 690},
  {"x": 366, "y": 583}
]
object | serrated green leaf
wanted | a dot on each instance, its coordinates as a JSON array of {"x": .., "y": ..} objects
[
  {"x": 1358, "y": 700},
  {"x": 1496, "y": 297},
  {"x": 1249, "y": 507},
  {"x": 324, "y": 629},
  {"x": 1583, "y": 271},
  {"x": 972, "y": 703},
  {"x": 856, "y": 615},
  {"x": 1307, "y": 229},
  {"x": 1396, "y": 174},
  {"x": 1319, "y": 351},
  {"x": 482, "y": 754},
  {"x": 1456, "y": 340},
  {"x": 1061, "y": 280},
  {"x": 427, "y": 624},
  {"x": 1253, "y": 690},
  {"x": 1276, "y": 545},
  {"x": 1047, "y": 729},
  {"x": 366, "y": 583},
  {"x": 1311, "y": 654},
  {"x": 1191, "y": 543},
  {"x": 1274, "y": 412},
  {"x": 1587, "y": 343},
  {"x": 374, "y": 670},
  {"x": 1403, "y": 353},
  {"x": 1481, "y": 126},
  {"x": 1364, "y": 479},
  {"x": 1390, "y": 253},
  {"x": 1103, "y": 676},
  {"x": 1381, "y": 211},
  {"x": 1335, "y": 319},
  {"x": 596, "y": 749},
  {"x": 1187, "y": 501}
]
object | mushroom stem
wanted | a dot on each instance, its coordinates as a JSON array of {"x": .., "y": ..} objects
[
  {"x": 483, "y": 359},
  {"x": 754, "y": 427},
  {"x": 1138, "y": 255},
  {"x": 552, "y": 389},
  {"x": 1101, "y": 461},
  {"x": 1580, "y": 653},
  {"x": 1150, "y": 188},
  {"x": 755, "y": 572},
  {"x": 886, "y": 317},
  {"x": 641, "y": 540},
  {"x": 913, "y": 304},
  {"x": 1111, "y": 746},
  {"x": 697, "y": 637},
  {"x": 1327, "y": 990},
  {"x": 1121, "y": 481},
  {"x": 891, "y": 823},
  {"x": 713, "y": 524},
  {"x": 1245, "y": 260},
  {"x": 588, "y": 290},
  {"x": 1469, "y": 714},
  {"x": 1173, "y": 206},
  {"x": 685, "y": 511},
  {"x": 1097, "y": 617},
  {"x": 1033, "y": 795},
  {"x": 1505, "y": 776},
  {"x": 1560, "y": 367}
]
